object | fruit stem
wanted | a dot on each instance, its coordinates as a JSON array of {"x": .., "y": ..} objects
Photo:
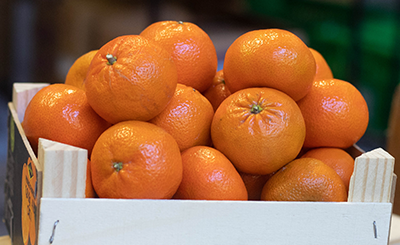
[
  {"x": 255, "y": 109},
  {"x": 180, "y": 22},
  {"x": 117, "y": 166},
  {"x": 111, "y": 59}
]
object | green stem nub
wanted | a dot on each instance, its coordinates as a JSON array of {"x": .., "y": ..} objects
[
  {"x": 255, "y": 109},
  {"x": 117, "y": 166},
  {"x": 111, "y": 59},
  {"x": 180, "y": 22}
]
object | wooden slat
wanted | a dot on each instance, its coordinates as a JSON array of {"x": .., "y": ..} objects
[
  {"x": 22, "y": 95},
  {"x": 372, "y": 178},
  {"x": 112, "y": 221},
  {"x": 64, "y": 169},
  {"x": 5, "y": 240}
]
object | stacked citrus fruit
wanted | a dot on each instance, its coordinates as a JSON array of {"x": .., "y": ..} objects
[{"x": 159, "y": 121}]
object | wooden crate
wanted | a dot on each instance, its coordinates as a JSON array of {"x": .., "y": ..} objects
[{"x": 58, "y": 213}]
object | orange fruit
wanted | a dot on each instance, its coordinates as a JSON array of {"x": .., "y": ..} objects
[
  {"x": 336, "y": 158},
  {"x": 89, "y": 190},
  {"x": 61, "y": 113},
  {"x": 190, "y": 47},
  {"x": 77, "y": 72},
  {"x": 258, "y": 129},
  {"x": 135, "y": 159},
  {"x": 26, "y": 214},
  {"x": 305, "y": 179},
  {"x": 272, "y": 58},
  {"x": 335, "y": 113},
  {"x": 187, "y": 118},
  {"x": 322, "y": 71},
  {"x": 130, "y": 78},
  {"x": 209, "y": 175},
  {"x": 254, "y": 184},
  {"x": 28, "y": 202},
  {"x": 218, "y": 91}
]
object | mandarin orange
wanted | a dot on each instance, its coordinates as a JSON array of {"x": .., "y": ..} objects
[
  {"x": 254, "y": 184},
  {"x": 338, "y": 159},
  {"x": 190, "y": 47},
  {"x": 77, "y": 72},
  {"x": 336, "y": 114},
  {"x": 209, "y": 175},
  {"x": 187, "y": 118},
  {"x": 272, "y": 58},
  {"x": 26, "y": 214},
  {"x": 61, "y": 113},
  {"x": 130, "y": 78},
  {"x": 258, "y": 129},
  {"x": 218, "y": 91},
  {"x": 305, "y": 179},
  {"x": 322, "y": 71},
  {"x": 89, "y": 190},
  {"x": 135, "y": 159}
]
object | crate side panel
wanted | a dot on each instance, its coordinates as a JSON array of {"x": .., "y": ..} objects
[{"x": 22, "y": 193}]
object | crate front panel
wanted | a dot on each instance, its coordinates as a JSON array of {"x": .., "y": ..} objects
[{"x": 111, "y": 221}]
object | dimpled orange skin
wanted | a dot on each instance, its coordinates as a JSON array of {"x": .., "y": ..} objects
[
  {"x": 270, "y": 58},
  {"x": 61, "y": 113},
  {"x": 336, "y": 114},
  {"x": 137, "y": 86},
  {"x": 209, "y": 175},
  {"x": 338, "y": 159},
  {"x": 323, "y": 71},
  {"x": 254, "y": 184},
  {"x": 258, "y": 129},
  {"x": 191, "y": 48},
  {"x": 135, "y": 159},
  {"x": 89, "y": 191},
  {"x": 218, "y": 91},
  {"x": 187, "y": 118},
  {"x": 77, "y": 72},
  {"x": 305, "y": 179}
]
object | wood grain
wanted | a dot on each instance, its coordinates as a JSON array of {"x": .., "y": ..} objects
[
  {"x": 372, "y": 178},
  {"x": 64, "y": 169},
  {"x": 110, "y": 221}
]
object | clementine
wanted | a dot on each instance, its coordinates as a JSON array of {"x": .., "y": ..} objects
[
  {"x": 187, "y": 118},
  {"x": 338, "y": 159},
  {"x": 254, "y": 184},
  {"x": 272, "y": 58},
  {"x": 77, "y": 72},
  {"x": 305, "y": 179},
  {"x": 29, "y": 202},
  {"x": 190, "y": 47},
  {"x": 89, "y": 190},
  {"x": 322, "y": 71},
  {"x": 135, "y": 159},
  {"x": 258, "y": 129},
  {"x": 209, "y": 175},
  {"x": 130, "y": 78},
  {"x": 61, "y": 113},
  {"x": 26, "y": 212},
  {"x": 335, "y": 113},
  {"x": 218, "y": 91}
]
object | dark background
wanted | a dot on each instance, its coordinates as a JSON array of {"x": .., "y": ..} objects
[{"x": 40, "y": 40}]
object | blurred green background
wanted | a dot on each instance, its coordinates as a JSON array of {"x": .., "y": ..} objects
[{"x": 359, "y": 40}]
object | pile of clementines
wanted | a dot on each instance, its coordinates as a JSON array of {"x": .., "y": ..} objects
[{"x": 159, "y": 121}]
